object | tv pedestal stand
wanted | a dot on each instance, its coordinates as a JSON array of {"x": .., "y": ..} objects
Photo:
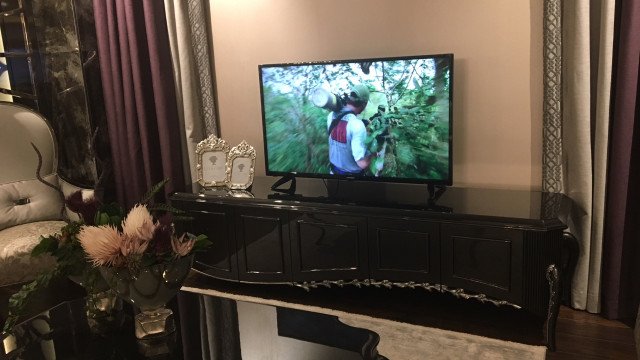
[
  {"x": 501, "y": 247},
  {"x": 291, "y": 190},
  {"x": 435, "y": 191}
]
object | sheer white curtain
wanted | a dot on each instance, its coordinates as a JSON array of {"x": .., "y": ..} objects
[
  {"x": 189, "y": 39},
  {"x": 587, "y": 48}
]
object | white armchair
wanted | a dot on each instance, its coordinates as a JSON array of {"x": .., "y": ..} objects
[{"x": 28, "y": 208}]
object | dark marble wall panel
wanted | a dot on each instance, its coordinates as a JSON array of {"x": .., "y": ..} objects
[
  {"x": 63, "y": 60},
  {"x": 88, "y": 45}
]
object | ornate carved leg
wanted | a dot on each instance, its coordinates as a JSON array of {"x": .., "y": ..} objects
[{"x": 553, "y": 277}]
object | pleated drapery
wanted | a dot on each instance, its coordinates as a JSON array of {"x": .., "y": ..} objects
[
  {"x": 587, "y": 43},
  {"x": 139, "y": 96},
  {"x": 209, "y": 327},
  {"x": 186, "y": 84},
  {"x": 621, "y": 258},
  {"x": 191, "y": 55}
]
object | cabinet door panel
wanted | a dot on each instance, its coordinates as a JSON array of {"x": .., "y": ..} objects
[
  {"x": 404, "y": 250},
  {"x": 483, "y": 259},
  {"x": 263, "y": 241},
  {"x": 328, "y": 247},
  {"x": 220, "y": 258}
]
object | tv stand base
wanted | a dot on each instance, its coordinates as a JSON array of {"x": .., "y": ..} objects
[
  {"x": 435, "y": 191},
  {"x": 292, "y": 186},
  {"x": 499, "y": 253}
]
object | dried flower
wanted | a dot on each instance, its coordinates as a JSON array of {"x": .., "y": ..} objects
[
  {"x": 97, "y": 240},
  {"x": 85, "y": 208},
  {"x": 182, "y": 247},
  {"x": 162, "y": 239},
  {"x": 101, "y": 244},
  {"x": 74, "y": 201},
  {"x": 139, "y": 223},
  {"x": 133, "y": 246}
]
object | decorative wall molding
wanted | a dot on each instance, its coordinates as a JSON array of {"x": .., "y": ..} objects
[{"x": 552, "y": 177}]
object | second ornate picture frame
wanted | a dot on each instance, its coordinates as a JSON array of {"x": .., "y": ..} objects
[
  {"x": 241, "y": 166},
  {"x": 212, "y": 154}
]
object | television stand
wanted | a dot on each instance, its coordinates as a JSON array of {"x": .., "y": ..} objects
[
  {"x": 283, "y": 180},
  {"x": 500, "y": 247},
  {"x": 435, "y": 191}
]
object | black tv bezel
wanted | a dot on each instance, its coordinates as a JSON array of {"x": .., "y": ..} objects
[{"x": 445, "y": 182}]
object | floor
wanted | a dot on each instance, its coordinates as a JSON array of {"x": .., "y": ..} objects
[{"x": 581, "y": 335}]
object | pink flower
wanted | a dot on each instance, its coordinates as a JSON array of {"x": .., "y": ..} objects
[
  {"x": 182, "y": 247},
  {"x": 139, "y": 223},
  {"x": 101, "y": 244},
  {"x": 133, "y": 246}
]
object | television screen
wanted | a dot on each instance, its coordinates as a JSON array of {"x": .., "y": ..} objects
[{"x": 371, "y": 119}]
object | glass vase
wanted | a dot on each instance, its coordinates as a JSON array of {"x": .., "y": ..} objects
[
  {"x": 101, "y": 300},
  {"x": 149, "y": 289}
]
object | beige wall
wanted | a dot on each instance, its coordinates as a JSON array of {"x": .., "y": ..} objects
[{"x": 497, "y": 76}]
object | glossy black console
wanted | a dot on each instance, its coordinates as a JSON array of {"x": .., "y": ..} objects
[{"x": 497, "y": 246}]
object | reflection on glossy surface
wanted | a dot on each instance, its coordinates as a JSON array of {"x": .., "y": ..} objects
[
  {"x": 268, "y": 332},
  {"x": 214, "y": 225},
  {"x": 65, "y": 332},
  {"x": 240, "y": 194},
  {"x": 265, "y": 332},
  {"x": 327, "y": 246},
  {"x": 262, "y": 238},
  {"x": 521, "y": 204}
]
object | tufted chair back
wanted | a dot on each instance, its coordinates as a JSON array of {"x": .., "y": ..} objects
[
  {"x": 23, "y": 198},
  {"x": 29, "y": 209},
  {"x": 20, "y": 126}
]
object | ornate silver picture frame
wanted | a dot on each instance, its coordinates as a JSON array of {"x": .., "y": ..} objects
[
  {"x": 212, "y": 154},
  {"x": 240, "y": 194},
  {"x": 241, "y": 166}
]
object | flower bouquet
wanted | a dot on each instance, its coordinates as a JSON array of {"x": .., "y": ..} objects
[
  {"x": 138, "y": 253},
  {"x": 144, "y": 261}
]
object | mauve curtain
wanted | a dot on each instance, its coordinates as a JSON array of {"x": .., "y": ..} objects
[
  {"x": 139, "y": 96},
  {"x": 621, "y": 260}
]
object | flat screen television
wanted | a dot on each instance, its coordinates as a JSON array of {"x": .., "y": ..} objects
[{"x": 382, "y": 119}]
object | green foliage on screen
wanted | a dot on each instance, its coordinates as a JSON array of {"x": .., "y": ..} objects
[{"x": 413, "y": 132}]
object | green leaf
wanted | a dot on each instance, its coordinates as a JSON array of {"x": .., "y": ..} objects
[
  {"x": 46, "y": 245},
  {"x": 153, "y": 191},
  {"x": 19, "y": 300},
  {"x": 167, "y": 208},
  {"x": 102, "y": 218},
  {"x": 112, "y": 209},
  {"x": 202, "y": 237},
  {"x": 115, "y": 220},
  {"x": 405, "y": 154},
  {"x": 182, "y": 218},
  {"x": 201, "y": 242}
]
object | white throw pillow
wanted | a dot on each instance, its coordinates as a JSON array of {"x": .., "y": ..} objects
[{"x": 27, "y": 201}]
